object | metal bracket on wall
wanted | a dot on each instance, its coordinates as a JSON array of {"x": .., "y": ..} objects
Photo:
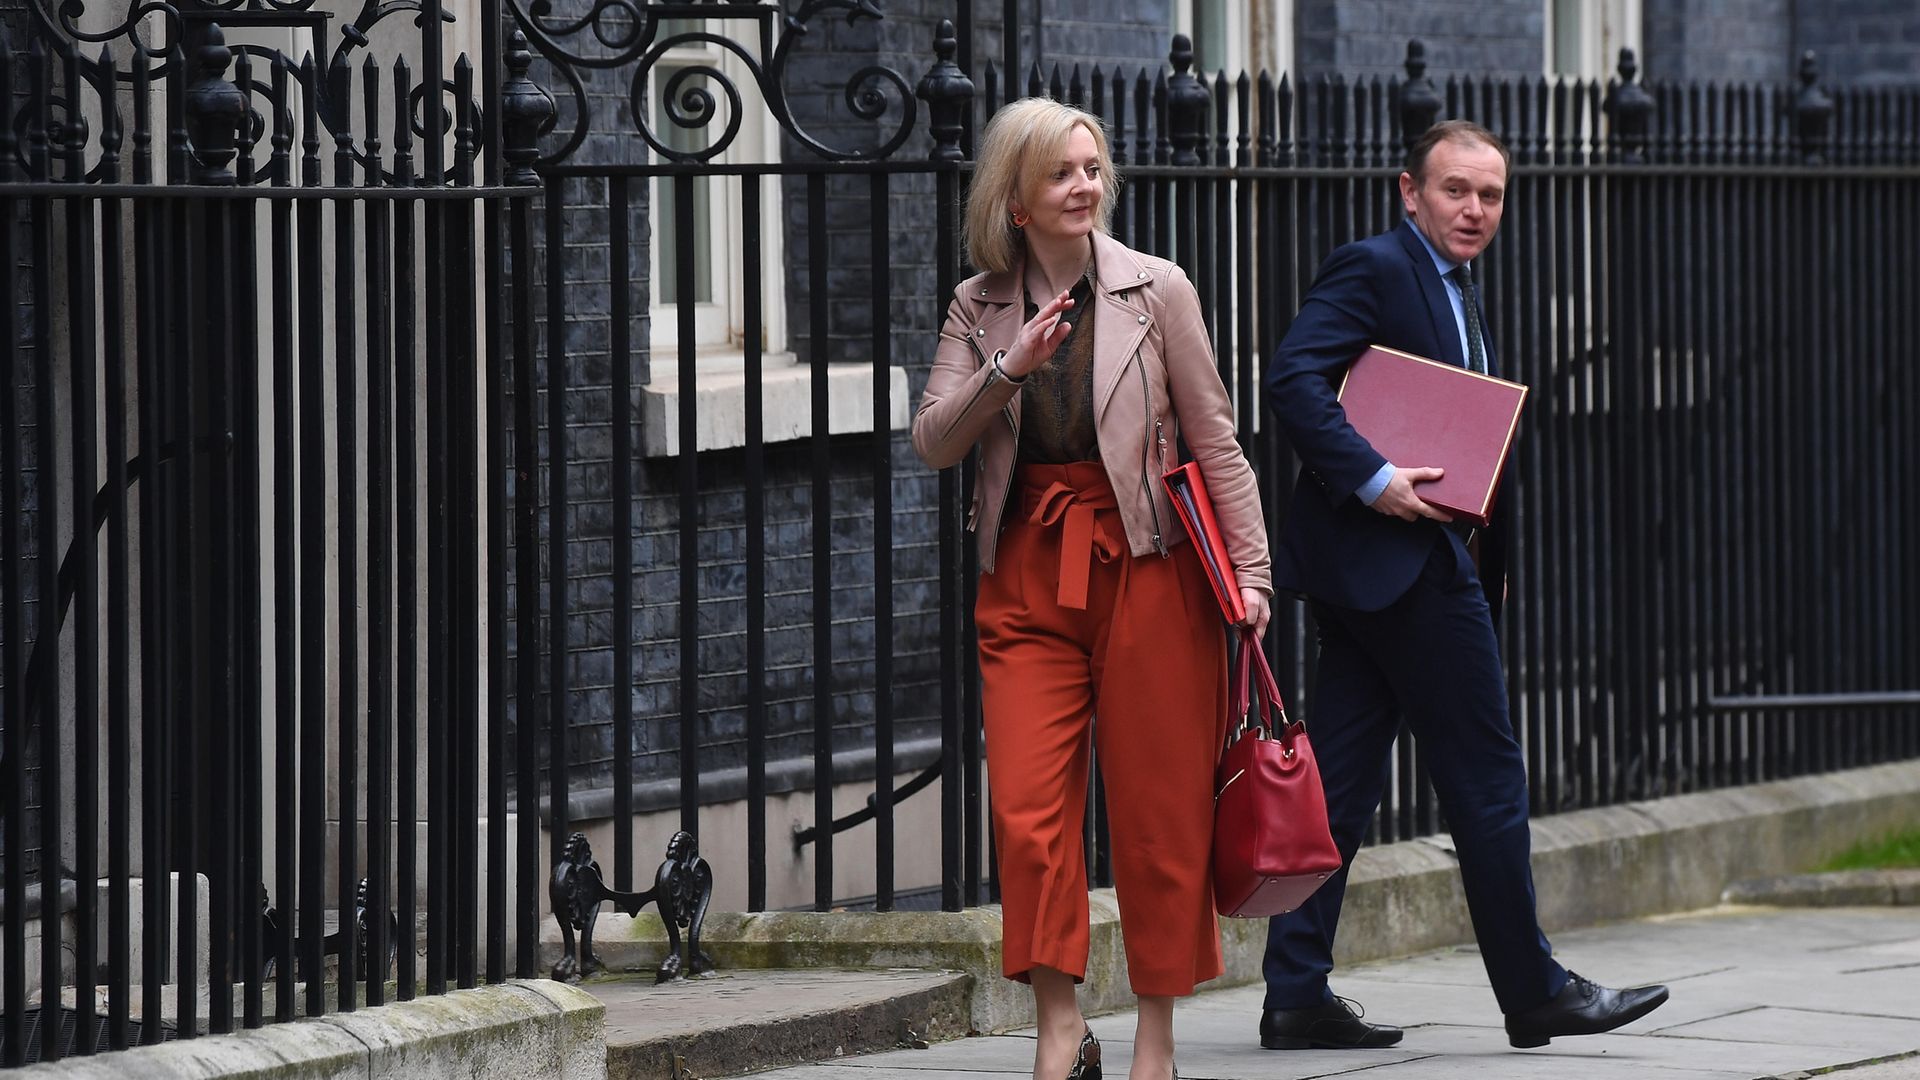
[{"x": 802, "y": 836}]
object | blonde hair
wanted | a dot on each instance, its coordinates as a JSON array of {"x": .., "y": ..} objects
[{"x": 1022, "y": 142}]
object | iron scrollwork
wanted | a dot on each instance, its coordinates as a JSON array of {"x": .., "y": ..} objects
[
  {"x": 172, "y": 19},
  {"x": 64, "y": 24},
  {"x": 682, "y": 889},
  {"x": 615, "y": 34},
  {"x": 160, "y": 37}
]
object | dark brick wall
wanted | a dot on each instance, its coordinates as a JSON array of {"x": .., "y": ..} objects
[
  {"x": 790, "y": 609},
  {"x": 1369, "y": 37},
  {"x": 583, "y": 258},
  {"x": 1862, "y": 42},
  {"x": 1099, "y": 33},
  {"x": 1720, "y": 40}
]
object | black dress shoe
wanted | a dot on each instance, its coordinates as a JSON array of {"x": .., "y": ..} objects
[
  {"x": 1583, "y": 1008},
  {"x": 1333, "y": 1026}
]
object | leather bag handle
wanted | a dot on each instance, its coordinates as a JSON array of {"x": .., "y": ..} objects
[{"x": 1254, "y": 698}]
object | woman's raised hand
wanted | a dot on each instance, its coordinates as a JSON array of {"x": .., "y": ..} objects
[{"x": 1039, "y": 338}]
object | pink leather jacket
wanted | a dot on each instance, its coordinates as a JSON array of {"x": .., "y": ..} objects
[{"x": 1153, "y": 379}]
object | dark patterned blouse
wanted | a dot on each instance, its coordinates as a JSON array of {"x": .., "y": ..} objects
[{"x": 1056, "y": 403}]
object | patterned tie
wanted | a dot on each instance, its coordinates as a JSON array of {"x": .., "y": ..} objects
[{"x": 1462, "y": 276}]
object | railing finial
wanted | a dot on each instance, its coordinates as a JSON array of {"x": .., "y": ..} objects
[
  {"x": 1629, "y": 110},
  {"x": 947, "y": 92},
  {"x": 525, "y": 111},
  {"x": 1812, "y": 108},
  {"x": 1419, "y": 101},
  {"x": 1186, "y": 103},
  {"x": 214, "y": 109}
]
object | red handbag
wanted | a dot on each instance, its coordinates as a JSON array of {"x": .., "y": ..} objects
[{"x": 1271, "y": 844}]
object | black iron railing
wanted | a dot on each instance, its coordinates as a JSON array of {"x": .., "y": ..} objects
[
  {"x": 245, "y": 345},
  {"x": 362, "y": 448}
]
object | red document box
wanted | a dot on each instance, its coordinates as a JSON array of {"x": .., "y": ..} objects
[
  {"x": 1418, "y": 412},
  {"x": 1188, "y": 488}
]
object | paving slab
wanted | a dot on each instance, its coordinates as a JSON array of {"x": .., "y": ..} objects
[{"x": 1759, "y": 993}]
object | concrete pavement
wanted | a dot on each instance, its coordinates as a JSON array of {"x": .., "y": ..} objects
[{"x": 1757, "y": 993}]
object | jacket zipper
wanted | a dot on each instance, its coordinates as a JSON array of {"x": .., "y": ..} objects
[
  {"x": 976, "y": 394},
  {"x": 1006, "y": 411},
  {"x": 1146, "y": 486}
]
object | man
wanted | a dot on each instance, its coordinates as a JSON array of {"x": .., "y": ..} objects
[{"x": 1405, "y": 617}]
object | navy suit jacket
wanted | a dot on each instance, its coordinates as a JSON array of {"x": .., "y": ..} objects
[{"x": 1380, "y": 291}]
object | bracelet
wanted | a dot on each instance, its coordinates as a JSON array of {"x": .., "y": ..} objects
[{"x": 998, "y": 354}]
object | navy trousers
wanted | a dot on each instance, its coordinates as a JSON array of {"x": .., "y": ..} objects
[{"x": 1430, "y": 658}]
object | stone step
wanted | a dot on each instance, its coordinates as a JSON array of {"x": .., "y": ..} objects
[{"x": 732, "y": 1022}]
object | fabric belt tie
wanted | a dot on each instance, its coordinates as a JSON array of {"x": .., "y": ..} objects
[{"x": 1082, "y": 535}]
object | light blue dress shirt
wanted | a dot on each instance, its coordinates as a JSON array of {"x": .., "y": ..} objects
[{"x": 1371, "y": 490}]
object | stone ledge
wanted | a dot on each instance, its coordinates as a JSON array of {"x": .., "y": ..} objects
[
  {"x": 959, "y": 941},
  {"x": 746, "y": 1021},
  {"x": 527, "y": 1029},
  {"x": 786, "y": 403},
  {"x": 1844, "y": 888}
]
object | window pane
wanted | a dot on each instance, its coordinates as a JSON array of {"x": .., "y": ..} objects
[
  {"x": 1566, "y": 37},
  {"x": 1210, "y": 37},
  {"x": 667, "y": 233}
]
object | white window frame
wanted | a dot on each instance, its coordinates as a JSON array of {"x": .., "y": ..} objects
[
  {"x": 1237, "y": 14},
  {"x": 720, "y": 358},
  {"x": 1604, "y": 28},
  {"x": 720, "y": 324}
]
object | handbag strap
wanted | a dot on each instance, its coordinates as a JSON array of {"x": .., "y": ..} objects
[
  {"x": 1254, "y": 696},
  {"x": 1239, "y": 682},
  {"x": 1263, "y": 672}
]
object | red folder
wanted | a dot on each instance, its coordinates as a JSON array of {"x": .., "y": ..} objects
[
  {"x": 1418, "y": 412},
  {"x": 1188, "y": 489}
]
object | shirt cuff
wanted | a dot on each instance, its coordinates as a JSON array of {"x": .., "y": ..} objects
[{"x": 1372, "y": 489}]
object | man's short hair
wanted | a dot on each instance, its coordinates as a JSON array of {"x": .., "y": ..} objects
[{"x": 1460, "y": 131}]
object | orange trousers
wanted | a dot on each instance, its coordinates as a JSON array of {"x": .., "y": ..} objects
[{"x": 1084, "y": 645}]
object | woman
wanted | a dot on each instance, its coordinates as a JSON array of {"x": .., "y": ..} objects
[{"x": 1076, "y": 365}]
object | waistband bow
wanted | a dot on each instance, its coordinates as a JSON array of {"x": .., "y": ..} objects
[{"x": 1082, "y": 535}]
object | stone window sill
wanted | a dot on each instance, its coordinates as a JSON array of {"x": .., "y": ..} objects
[{"x": 720, "y": 389}]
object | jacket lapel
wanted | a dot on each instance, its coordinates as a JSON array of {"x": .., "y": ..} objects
[
  {"x": 1446, "y": 331},
  {"x": 1120, "y": 317}
]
